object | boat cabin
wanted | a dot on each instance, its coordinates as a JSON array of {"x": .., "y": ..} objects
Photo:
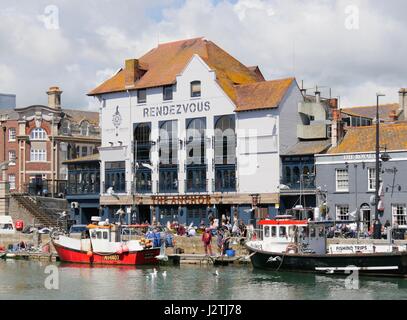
[{"x": 284, "y": 234}]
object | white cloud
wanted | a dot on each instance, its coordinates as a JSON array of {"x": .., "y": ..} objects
[{"x": 285, "y": 38}]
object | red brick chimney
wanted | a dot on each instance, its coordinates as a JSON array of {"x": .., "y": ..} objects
[
  {"x": 133, "y": 71},
  {"x": 336, "y": 130}
]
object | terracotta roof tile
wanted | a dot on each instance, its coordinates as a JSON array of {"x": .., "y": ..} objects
[
  {"x": 262, "y": 95},
  {"x": 168, "y": 60},
  {"x": 363, "y": 139},
  {"x": 370, "y": 111},
  {"x": 91, "y": 158}
]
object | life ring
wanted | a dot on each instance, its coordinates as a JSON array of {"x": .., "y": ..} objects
[{"x": 292, "y": 247}]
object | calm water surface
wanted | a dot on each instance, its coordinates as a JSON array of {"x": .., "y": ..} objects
[{"x": 25, "y": 280}]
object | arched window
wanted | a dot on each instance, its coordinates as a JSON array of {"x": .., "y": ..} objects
[
  {"x": 38, "y": 134},
  {"x": 225, "y": 140},
  {"x": 296, "y": 175},
  {"x": 196, "y": 141},
  {"x": 143, "y": 143},
  {"x": 287, "y": 174},
  {"x": 168, "y": 145},
  {"x": 195, "y": 89},
  {"x": 85, "y": 128}
]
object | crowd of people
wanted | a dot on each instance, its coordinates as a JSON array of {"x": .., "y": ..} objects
[{"x": 223, "y": 229}]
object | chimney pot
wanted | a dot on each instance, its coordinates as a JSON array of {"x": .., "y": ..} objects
[{"x": 403, "y": 102}]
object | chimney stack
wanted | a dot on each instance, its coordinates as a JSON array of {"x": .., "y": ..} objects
[
  {"x": 336, "y": 117},
  {"x": 54, "y": 98},
  {"x": 393, "y": 116},
  {"x": 132, "y": 72},
  {"x": 403, "y": 102},
  {"x": 317, "y": 96}
]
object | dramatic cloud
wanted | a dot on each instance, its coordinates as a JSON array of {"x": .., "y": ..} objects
[{"x": 354, "y": 47}]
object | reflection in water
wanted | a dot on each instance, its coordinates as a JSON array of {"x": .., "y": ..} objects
[{"x": 25, "y": 280}]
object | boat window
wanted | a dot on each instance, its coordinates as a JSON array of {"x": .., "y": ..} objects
[
  {"x": 312, "y": 232},
  {"x": 105, "y": 235},
  {"x": 282, "y": 232},
  {"x": 321, "y": 232},
  {"x": 99, "y": 234},
  {"x": 291, "y": 232},
  {"x": 267, "y": 232},
  {"x": 93, "y": 234},
  {"x": 273, "y": 232}
]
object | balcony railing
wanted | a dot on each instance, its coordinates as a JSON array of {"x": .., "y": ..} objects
[
  {"x": 308, "y": 183},
  {"x": 142, "y": 186},
  {"x": 196, "y": 186},
  {"x": 225, "y": 178},
  {"x": 116, "y": 188},
  {"x": 83, "y": 189}
]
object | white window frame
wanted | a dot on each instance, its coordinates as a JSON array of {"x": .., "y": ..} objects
[
  {"x": 38, "y": 134},
  {"x": 337, "y": 181},
  {"x": 12, "y": 133},
  {"x": 12, "y": 182},
  {"x": 371, "y": 180},
  {"x": 12, "y": 159},
  {"x": 38, "y": 155},
  {"x": 395, "y": 214},
  {"x": 340, "y": 208}
]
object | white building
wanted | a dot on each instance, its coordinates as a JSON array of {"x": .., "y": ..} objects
[{"x": 189, "y": 131}]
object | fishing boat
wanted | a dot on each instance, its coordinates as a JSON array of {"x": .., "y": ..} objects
[
  {"x": 105, "y": 244},
  {"x": 286, "y": 243}
]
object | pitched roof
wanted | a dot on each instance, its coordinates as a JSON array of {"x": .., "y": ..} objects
[
  {"x": 363, "y": 139},
  {"x": 168, "y": 60},
  {"x": 308, "y": 147},
  {"x": 262, "y": 95},
  {"x": 370, "y": 111},
  {"x": 91, "y": 158},
  {"x": 78, "y": 116},
  {"x": 11, "y": 114}
]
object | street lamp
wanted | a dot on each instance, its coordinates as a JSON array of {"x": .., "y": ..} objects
[{"x": 377, "y": 226}]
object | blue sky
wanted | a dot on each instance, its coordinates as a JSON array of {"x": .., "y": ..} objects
[{"x": 306, "y": 39}]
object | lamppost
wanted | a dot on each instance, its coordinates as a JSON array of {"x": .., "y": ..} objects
[{"x": 377, "y": 226}]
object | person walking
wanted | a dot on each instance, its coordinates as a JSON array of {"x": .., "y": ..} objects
[{"x": 207, "y": 239}]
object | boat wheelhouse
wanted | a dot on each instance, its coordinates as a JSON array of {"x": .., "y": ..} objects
[
  {"x": 105, "y": 244},
  {"x": 301, "y": 245}
]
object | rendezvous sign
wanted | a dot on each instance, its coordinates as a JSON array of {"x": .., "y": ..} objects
[{"x": 177, "y": 109}]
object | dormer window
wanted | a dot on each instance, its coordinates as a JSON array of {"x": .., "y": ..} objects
[
  {"x": 142, "y": 96},
  {"x": 195, "y": 89},
  {"x": 85, "y": 128},
  {"x": 65, "y": 127},
  {"x": 167, "y": 93}
]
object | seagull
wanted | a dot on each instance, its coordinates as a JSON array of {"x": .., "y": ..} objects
[
  {"x": 165, "y": 274},
  {"x": 154, "y": 273},
  {"x": 216, "y": 274}
]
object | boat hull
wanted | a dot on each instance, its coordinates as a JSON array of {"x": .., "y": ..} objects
[
  {"x": 142, "y": 257},
  {"x": 378, "y": 264}
]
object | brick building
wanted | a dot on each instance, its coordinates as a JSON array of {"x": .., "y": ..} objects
[{"x": 36, "y": 140}]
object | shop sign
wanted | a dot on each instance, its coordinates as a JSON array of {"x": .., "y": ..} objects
[{"x": 181, "y": 200}]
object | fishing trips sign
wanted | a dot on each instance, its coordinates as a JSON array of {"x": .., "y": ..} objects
[
  {"x": 181, "y": 200},
  {"x": 177, "y": 109}
]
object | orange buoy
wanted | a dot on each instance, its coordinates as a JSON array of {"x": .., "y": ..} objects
[{"x": 90, "y": 253}]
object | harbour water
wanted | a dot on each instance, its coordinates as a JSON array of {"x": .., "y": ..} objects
[{"x": 26, "y": 280}]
